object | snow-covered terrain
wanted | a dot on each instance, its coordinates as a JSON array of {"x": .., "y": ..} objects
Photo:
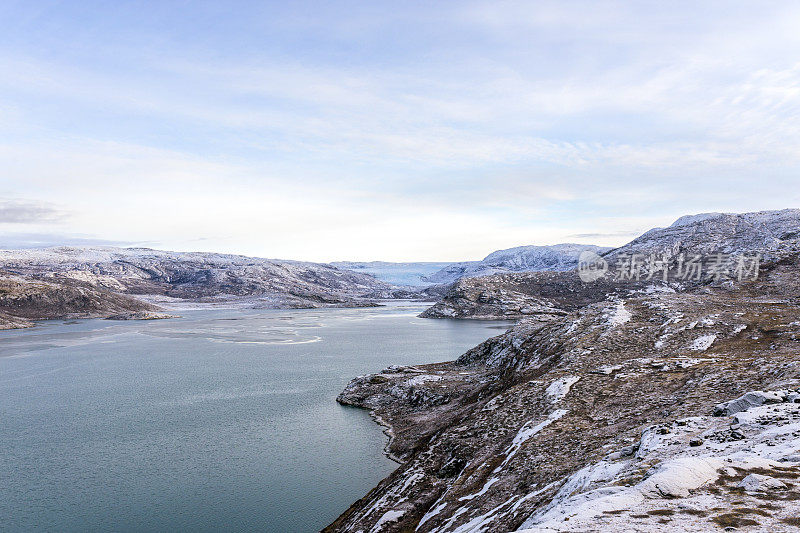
[
  {"x": 184, "y": 274},
  {"x": 558, "y": 257},
  {"x": 725, "y": 237},
  {"x": 767, "y": 232},
  {"x": 104, "y": 274},
  {"x": 694, "y": 469}
]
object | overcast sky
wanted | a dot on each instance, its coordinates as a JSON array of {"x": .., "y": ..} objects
[{"x": 390, "y": 130}]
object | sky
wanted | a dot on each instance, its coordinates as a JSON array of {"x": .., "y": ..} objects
[{"x": 398, "y": 131}]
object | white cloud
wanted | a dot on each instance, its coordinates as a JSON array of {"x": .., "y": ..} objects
[{"x": 521, "y": 123}]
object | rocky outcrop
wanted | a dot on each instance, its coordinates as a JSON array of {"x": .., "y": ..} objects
[
  {"x": 543, "y": 295},
  {"x": 23, "y": 300},
  {"x": 639, "y": 412},
  {"x": 12, "y": 322}
]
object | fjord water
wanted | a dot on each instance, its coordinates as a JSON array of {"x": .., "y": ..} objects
[{"x": 222, "y": 420}]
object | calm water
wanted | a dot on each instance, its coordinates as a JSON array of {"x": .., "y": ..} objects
[{"x": 220, "y": 420}]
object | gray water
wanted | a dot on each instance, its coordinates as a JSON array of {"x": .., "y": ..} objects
[{"x": 220, "y": 420}]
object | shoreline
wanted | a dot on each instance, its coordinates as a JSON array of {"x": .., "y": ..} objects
[{"x": 388, "y": 430}]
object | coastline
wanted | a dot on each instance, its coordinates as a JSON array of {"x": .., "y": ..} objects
[{"x": 388, "y": 430}]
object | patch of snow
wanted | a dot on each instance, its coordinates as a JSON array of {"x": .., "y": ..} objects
[
  {"x": 760, "y": 483},
  {"x": 491, "y": 405},
  {"x": 560, "y": 388},
  {"x": 482, "y": 491},
  {"x": 420, "y": 379},
  {"x": 748, "y": 400},
  {"x": 652, "y": 289},
  {"x": 388, "y": 516},
  {"x": 430, "y": 514},
  {"x": 701, "y": 344},
  {"x": 687, "y": 220},
  {"x": 526, "y": 432},
  {"x": 618, "y": 315},
  {"x": 608, "y": 369},
  {"x": 600, "y": 497},
  {"x": 676, "y": 478}
]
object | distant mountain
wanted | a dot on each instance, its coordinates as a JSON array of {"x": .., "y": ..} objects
[
  {"x": 558, "y": 257},
  {"x": 59, "y": 276},
  {"x": 408, "y": 274}
]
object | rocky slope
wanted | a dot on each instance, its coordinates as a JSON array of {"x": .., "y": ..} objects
[
  {"x": 615, "y": 405},
  {"x": 559, "y": 257},
  {"x": 13, "y": 322},
  {"x": 605, "y": 418},
  {"x": 23, "y": 300}
]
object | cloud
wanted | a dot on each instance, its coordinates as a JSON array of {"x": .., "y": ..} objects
[
  {"x": 528, "y": 121},
  {"x": 29, "y": 212},
  {"x": 47, "y": 240},
  {"x": 604, "y": 235}
]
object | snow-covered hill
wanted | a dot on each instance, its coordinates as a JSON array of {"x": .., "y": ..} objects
[
  {"x": 767, "y": 232},
  {"x": 772, "y": 234},
  {"x": 195, "y": 275},
  {"x": 558, "y": 257}
]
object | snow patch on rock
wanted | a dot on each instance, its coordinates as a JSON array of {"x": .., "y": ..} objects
[
  {"x": 701, "y": 344},
  {"x": 679, "y": 460},
  {"x": 618, "y": 315},
  {"x": 526, "y": 432},
  {"x": 560, "y": 388},
  {"x": 760, "y": 483}
]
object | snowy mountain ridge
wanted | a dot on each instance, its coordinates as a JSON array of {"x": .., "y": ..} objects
[
  {"x": 557, "y": 257},
  {"x": 165, "y": 276},
  {"x": 766, "y": 232}
]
